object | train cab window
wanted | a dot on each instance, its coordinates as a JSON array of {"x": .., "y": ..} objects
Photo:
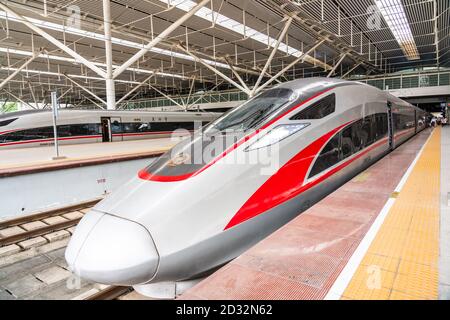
[
  {"x": 318, "y": 110},
  {"x": 329, "y": 156},
  {"x": 254, "y": 112}
]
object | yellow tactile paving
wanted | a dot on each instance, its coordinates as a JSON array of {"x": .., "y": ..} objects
[{"x": 402, "y": 261}]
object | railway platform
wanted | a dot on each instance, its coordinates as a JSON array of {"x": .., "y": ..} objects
[
  {"x": 31, "y": 160},
  {"x": 383, "y": 235}
]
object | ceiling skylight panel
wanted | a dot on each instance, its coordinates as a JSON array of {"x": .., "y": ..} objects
[
  {"x": 233, "y": 25},
  {"x": 394, "y": 14}
]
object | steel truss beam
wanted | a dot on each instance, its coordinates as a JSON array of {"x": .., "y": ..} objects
[
  {"x": 92, "y": 101},
  {"x": 336, "y": 65},
  {"x": 202, "y": 95},
  {"x": 54, "y": 41},
  {"x": 216, "y": 71},
  {"x": 18, "y": 99},
  {"x": 135, "y": 88},
  {"x": 239, "y": 67},
  {"x": 158, "y": 38},
  {"x": 319, "y": 32},
  {"x": 336, "y": 43},
  {"x": 272, "y": 54},
  {"x": 351, "y": 70},
  {"x": 86, "y": 90},
  {"x": 32, "y": 95},
  {"x": 166, "y": 96},
  {"x": 237, "y": 75},
  {"x": 316, "y": 45},
  {"x": 15, "y": 73}
]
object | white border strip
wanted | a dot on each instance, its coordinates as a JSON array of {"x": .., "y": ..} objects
[{"x": 349, "y": 270}]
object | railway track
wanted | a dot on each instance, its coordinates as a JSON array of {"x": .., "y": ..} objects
[
  {"x": 110, "y": 293},
  {"x": 17, "y": 230},
  {"x": 43, "y": 224}
]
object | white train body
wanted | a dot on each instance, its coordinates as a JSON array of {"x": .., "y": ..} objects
[
  {"x": 35, "y": 128},
  {"x": 177, "y": 221}
]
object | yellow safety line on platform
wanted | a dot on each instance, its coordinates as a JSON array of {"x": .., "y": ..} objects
[{"x": 402, "y": 261}]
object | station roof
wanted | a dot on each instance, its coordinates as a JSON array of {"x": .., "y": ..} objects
[{"x": 232, "y": 36}]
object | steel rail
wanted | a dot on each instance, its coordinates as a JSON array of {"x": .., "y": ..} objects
[
  {"x": 5, "y": 241},
  {"x": 110, "y": 293}
]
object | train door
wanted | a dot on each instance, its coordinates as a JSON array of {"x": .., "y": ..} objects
[
  {"x": 390, "y": 126},
  {"x": 106, "y": 129},
  {"x": 116, "y": 129},
  {"x": 416, "y": 120}
]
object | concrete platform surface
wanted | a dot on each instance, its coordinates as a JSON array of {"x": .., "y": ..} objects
[
  {"x": 303, "y": 259},
  {"x": 42, "y": 276},
  {"x": 28, "y": 157}
]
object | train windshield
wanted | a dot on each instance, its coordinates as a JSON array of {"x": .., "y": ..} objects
[{"x": 254, "y": 112}]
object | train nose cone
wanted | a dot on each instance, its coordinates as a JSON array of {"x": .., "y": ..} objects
[{"x": 111, "y": 250}]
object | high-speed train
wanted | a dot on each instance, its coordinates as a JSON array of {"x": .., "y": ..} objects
[
  {"x": 35, "y": 128},
  {"x": 180, "y": 219}
]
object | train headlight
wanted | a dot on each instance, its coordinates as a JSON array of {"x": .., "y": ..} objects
[{"x": 277, "y": 134}]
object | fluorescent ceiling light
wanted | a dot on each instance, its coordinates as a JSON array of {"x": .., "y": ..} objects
[
  {"x": 395, "y": 16},
  {"x": 71, "y": 60},
  {"x": 101, "y": 37},
  {"x": 233, "y": 25}
]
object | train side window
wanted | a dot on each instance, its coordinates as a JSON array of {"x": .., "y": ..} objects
[
  {"x": 29, "y": 134},
  {"x": 188, "y": 125},
  {"x": 116, "y": 127},
  {"x": 328, "y": 157},
  {"x": 318, "y": 110},
  {"x": 359, "y": 135},
  {"x": 381, "y": 124},
  {"x": 94, "y": 128},
  {"x": 403, "y": 121},
  {"x": 64, "y": 131},
  {"x": 73, "y": 130},
  {"x": 347, "y": 145},
  {"x": 367, "y": 131}
]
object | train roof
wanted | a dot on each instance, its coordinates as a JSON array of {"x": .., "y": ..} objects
[
  {"x": 314, "y": 82},
  {"x": 316, "y": 85},
  {"x": 19, "y": 113}
]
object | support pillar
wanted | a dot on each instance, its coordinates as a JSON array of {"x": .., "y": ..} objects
[{"x": 110, "y": 85}]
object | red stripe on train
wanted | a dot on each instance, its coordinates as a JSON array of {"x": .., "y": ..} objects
[
  {"x": 287, "y": 183},
  {"x": 145, "y": 133}
]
